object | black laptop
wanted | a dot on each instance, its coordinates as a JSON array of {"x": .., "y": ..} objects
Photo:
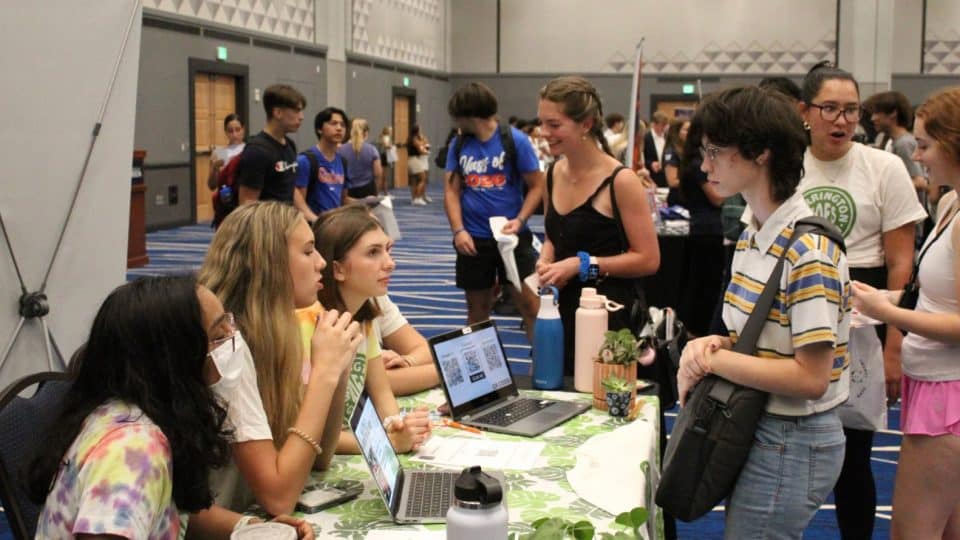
[
  {"x": 481, "y": 391},
  {"x": 410, "y": 496}
]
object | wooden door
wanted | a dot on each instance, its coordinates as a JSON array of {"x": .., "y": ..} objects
[
  {"x": 215, "y": 97},
  {"x": 401, "y": 131}
]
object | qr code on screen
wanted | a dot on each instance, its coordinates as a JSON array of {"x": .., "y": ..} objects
[
  {"x": 473, "y": 361},
  {"x": 454, "y": 374},
  {"x": 491, "y": 353}
]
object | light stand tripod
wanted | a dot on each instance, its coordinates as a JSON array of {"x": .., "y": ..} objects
[{"x": 34, "y": 305}]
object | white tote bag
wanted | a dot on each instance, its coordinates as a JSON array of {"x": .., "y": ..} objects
[{"x": 867, "y": 406}]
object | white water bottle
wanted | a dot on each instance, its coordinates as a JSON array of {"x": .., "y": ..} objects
[
  {"x": 591, "y": 323},
  {"x": 477, "y": 512}
]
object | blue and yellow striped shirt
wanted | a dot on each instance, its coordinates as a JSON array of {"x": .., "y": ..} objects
[{"x": 812, "y": 305}]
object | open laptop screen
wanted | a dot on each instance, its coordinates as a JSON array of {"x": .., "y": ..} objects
[
  {"x": 376, "y": 448},
  {"x": 473, "y": 365}
]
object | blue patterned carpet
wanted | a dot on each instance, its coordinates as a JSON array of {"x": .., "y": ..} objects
[{"x": 423, "y": 287}]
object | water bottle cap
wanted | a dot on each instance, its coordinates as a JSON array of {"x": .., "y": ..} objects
[
  {"x": 592, "y": 302},
  {"x": 477, "y": 489},
  {"x": 550, "y": 290},
  {"x": 588, "y": 291}
]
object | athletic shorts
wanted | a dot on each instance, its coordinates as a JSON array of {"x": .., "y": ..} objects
[{"x": 478, "y": 272}]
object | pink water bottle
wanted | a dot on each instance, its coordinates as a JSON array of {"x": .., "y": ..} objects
[{"x": 591, "y": 323}]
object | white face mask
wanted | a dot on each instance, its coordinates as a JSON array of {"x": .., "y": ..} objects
[{"x": 228, "y": 360}]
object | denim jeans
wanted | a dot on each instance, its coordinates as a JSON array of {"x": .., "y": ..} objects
[{"x": 792, "y": 467}]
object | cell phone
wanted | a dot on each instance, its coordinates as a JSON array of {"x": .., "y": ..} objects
[{"x": 325, "y": 495}]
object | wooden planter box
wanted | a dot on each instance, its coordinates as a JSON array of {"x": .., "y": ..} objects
[{"x": 601, "y": 371}]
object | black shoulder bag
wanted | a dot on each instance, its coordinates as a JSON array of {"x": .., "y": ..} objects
[{"x": 714, "y": 432}]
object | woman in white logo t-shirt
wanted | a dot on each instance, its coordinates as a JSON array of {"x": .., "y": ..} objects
[{"x": 867, "y": 193}]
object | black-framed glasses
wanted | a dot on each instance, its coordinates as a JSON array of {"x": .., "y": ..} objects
[
  {"x": 710, "y": 151},
  {"x": 831, "y": 111}
]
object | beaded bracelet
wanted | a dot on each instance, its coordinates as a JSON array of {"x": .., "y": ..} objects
[{"x": 307, "y": 439}]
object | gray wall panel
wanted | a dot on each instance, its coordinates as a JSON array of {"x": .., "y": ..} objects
[
  {"x": 517, "y": 94},
  {"x": 370, "y": 96},
  {"x": 918, "y": 87},
  {"x": 163, "y": 116}
]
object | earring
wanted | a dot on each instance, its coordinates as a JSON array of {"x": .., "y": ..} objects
[
  {"x": 583, "y": 137},
  {"x": 806, "y": 126}
]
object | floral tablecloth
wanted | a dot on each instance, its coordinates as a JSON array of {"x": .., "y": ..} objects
[{"x": 531, "y": 494}]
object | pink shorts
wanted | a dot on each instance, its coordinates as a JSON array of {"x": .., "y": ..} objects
[{"x": 930, "y": 407}]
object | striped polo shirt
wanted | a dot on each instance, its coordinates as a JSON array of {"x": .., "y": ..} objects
[{"x": 812, "y": 305}]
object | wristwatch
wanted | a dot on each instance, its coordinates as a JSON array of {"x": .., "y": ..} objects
[
  {"x": 593, "y": 270},
  {"x": 589, "y": 267}
]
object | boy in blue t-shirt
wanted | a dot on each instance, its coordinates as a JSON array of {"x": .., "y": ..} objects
[
  {"x": 320, "y": 188},
  {"x": 482, "y": 183}
]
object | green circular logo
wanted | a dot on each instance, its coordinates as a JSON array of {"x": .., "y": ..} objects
[{"x": 834, "y": 204}]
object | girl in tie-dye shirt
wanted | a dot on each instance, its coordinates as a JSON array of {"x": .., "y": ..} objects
[
  {"x": 140, "y": 429},
  {"x": 117, "y": 479}
]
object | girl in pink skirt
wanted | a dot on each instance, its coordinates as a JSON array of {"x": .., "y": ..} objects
[{"x": 926, "y": 496}]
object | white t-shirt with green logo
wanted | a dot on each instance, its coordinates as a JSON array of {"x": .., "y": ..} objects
[{"x": 865, "y": 193}]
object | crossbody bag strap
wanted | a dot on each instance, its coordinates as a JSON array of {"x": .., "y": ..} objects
[
  {"x": 722, "y": 389},
  {"x": 946, "y": 225},
  {"x": 747, "y": 340}
]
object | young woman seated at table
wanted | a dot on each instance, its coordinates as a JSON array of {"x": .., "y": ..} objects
[
  {"x": 286, "y": 410},
  {"x": 404, "y": 351},
  {"x": 359, "y": 268},
  {"x": 141, "y": 427}
]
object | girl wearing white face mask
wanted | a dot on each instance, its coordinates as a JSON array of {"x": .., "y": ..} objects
[
  {"x": 286, "y": 407},
  {"x": 140, "y": 428}
]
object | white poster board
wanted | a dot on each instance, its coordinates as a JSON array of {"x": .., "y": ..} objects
[{"x": 60, "y": 58}]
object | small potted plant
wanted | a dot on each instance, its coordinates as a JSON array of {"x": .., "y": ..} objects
[
  {"x": 618, "y": 395},
  {"x": 618, "y": 356}
]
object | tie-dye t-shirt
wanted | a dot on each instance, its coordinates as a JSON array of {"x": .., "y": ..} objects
[
  {"x": 307, "y": 318},
  {"x": 117, "y": 480}
]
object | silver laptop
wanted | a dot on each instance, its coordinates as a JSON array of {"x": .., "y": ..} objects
[
  {"x": 481, "y": 391},
  {"x": 410, "y": 496}
]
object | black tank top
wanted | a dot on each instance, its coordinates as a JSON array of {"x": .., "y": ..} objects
[
  {"x": 586, "y": 229},
  {"x": 583, "y": 228}
]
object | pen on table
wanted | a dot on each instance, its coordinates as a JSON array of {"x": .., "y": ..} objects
[{"x": 457, "y": 425}]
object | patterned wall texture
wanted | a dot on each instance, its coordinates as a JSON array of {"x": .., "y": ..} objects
[
  {"x": 941, "y": 52},
  {"x": 290, "y": 19},
  {"x": 407, "y": 31},
  {"x": 754, "y": 58},
  {"x": 941, "y": 43}
]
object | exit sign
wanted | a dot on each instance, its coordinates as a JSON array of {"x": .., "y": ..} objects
[
  {"x": 222, "y": 53},
  {"x": 406, "y": 81},
  {"x": 689, "y": 89}
]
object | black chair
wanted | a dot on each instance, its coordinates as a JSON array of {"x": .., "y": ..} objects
[{"x": 23, "y": 423}]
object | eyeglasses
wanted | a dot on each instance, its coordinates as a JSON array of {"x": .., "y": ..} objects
[
  {"x": 710, "y": 151},
  {"x": 230, "y": 323},
  {"x": 830, "y": 112}
]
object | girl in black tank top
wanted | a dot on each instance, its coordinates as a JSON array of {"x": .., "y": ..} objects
[
  {"x": 571, "y": 121},
  {"x": 586, "y": 229}
]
